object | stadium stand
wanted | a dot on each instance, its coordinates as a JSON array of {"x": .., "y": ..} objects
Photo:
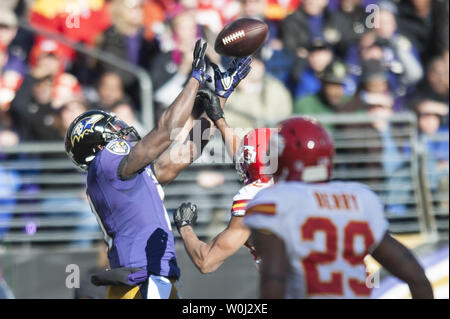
[{"x": 51, "y": 206}]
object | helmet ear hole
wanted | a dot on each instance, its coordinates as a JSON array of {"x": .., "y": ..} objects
[
  {"x": 253, "y": 154},
  {"x": 85, "y": 136}
]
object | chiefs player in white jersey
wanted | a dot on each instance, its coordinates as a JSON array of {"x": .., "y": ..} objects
[
  {"x": 250, "y": 159},
  {"x": 312, "y": 234},
  {"x": 250, "y": 165}
]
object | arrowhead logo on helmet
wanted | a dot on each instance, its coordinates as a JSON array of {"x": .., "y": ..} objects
[
  {"x": 253, "y": 159},
  {"x": 249, "y": 154}
]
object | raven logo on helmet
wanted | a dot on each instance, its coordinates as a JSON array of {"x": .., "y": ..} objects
[{"x": 85, "y": 125}]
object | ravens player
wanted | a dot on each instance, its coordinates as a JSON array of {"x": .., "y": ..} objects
[{"x": 124, "y": 191}]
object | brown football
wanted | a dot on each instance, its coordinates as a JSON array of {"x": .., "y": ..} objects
[{"x": 241, "y": 37}]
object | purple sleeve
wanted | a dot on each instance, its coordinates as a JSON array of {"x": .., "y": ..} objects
[{"x": 110, "y": 159}]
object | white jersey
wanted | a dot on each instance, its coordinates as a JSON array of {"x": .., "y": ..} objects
[
  {"x": 327, "y": 229},
  {"x": 240, "y": 201},
  {"x": 245, "y": 195}
]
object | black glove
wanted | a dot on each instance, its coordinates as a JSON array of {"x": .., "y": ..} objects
[
  {"x": 185, "y": 215},
  {"x": 212, "y": 107}
]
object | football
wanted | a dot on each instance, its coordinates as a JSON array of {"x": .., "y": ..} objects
[{"x": 241, "y": 37}]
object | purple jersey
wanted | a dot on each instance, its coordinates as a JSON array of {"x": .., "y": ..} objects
[{"x": 131, "y": 214}]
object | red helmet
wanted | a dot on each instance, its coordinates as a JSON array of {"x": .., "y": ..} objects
[
  {"x": 305, "y": 151},
  {"x": 251, "y": 158}
]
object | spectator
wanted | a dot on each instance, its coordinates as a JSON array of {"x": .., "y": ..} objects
[
  {"x": 35, "y": 107},
  {"x": 32, "y": 108},
  {"x": 280, "y": 9},
  {"x": 214, "y": 14},
  {"x": 434, "y": 138},
  {"x": 125, "y": 39},
  {"x": 391, "y": 48},
  {"x": 78, "y": 21},
  {"x": 20, "y": 7},
  {"x": 8, "y": 27},
  {"x": 430, "y": 114},
  {"x": 355, "y": 15},
  {"x": 9, "y": 4},
  {"x": 8, "y": 136},
  {"x": 396, "y": 45},
  {"x": 277, "y": 60},
  {"x": 375, "y": 100},
  {"x": 313, "y": 20},
  {"x": 110, "y": 92},
  {"x": 435, "y": 85},
  {"x": 48, "y": 54},
  {"x": 10, "y": 82},
  {"x": 9, "y": 179},
  {"x": 319, "y": 57},
  {"x": 169, "y": 70},
  {"x": 155, "y": 12},
  {"x": 357, "y": 56},
  {"x": 12, "y": 63},
  {"x": 425, "y": 23},
  {"x": 256, "y": 9},
  {"x": 380, "y": 140},
  {"x": 331, "y": 97},
  {"x": 65, "y": 89},
  {"x": 10, "y": 183},
  {"x": 258, "y": 100},
  {"x": 380, "y": 108},
  {"x": 374, "y": 80}
]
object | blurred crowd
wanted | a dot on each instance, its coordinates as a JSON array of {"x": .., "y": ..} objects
[
  {"x": 377, "y": 57},
  {"x": 321, "y": 57}
]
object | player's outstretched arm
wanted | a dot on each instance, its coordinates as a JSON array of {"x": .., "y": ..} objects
[
  {"x": 181, "y": 154},
  {"x": 214, "y": 110},
  {"x": 274, "y": 264},
  {"x": 207, "y": 257},
  {"x": 225, "y": 83},
  {"x": 400, "y": 262},
  {"x": 174, "y": 117},
  {"x": 231, "y": 140}
]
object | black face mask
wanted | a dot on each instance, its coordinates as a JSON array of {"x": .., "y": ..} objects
[{"x": 119, "y": 129}]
